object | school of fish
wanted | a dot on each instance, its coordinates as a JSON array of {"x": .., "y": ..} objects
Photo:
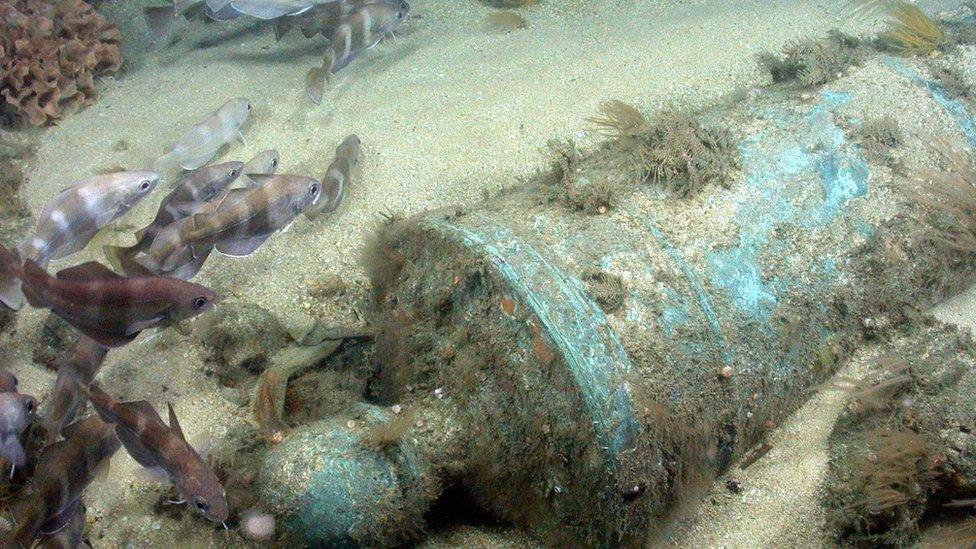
[
  {"x": 232, "y": 208},
  {"x": 352, "y": 27}
]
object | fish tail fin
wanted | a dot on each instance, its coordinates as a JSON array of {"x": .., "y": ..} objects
[
  {"x": 33, "y": 279},
  {"x": 160, "y": 20},
  {"x": 11, "y": 273},
  {"x": 118, "y": 256},
  {"x": 12, "y": 451},
  {"x": 315, "y": 81}
]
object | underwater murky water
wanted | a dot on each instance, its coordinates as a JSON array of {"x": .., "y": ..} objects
[{"x": 487, "y": 273}]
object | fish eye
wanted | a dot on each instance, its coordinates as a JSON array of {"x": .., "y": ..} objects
[
  {"x": 200, "y": 302},
  {"x": 14, "y": 378},
  {"x": 201, "y": 504},
  {"x": 313, "y": 189},
  {"x": 247, "y": 105},
  {"x": 274, "y": 162},
  {"x": 30, "y": 405},
  {"x": 145, "y": 184}
]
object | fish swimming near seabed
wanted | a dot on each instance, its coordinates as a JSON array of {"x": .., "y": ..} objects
[
  {"x": 359, "y": 32},
  {"x": 155, "y": 445},
  {"x": 340, "y": 175},
  {"x": 72, "y": 218},
  {"x": 265, "y": 162},
  {"x": 162, "y": 19},
  {"x": 264, "y": 9},
  {"x": 200, "y": 186},
  {"x": 78, "y": 364},
  {"x": 63, "y": 472},
  {"x": 324, "y": 19},
  {"x": 239, "y": 227},
  {"x": 16, "y": 415},
  {"x": 109, "y": 308},
  {"x": 201, "y": 142}
]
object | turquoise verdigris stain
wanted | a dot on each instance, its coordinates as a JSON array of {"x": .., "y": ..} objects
[
  {"x": 576, "y": 325},
  {"x": 779, "y": 164},
  {"x": 958, "y": 112}
]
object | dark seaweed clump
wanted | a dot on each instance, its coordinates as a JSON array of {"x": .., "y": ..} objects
[
  {"x": 879, "y": 137},
  {"x": 812, "y": 62},
  {"x": 953, "y": 80},
  {"x": 902, "y": 455}
]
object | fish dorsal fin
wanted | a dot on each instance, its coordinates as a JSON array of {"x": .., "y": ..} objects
[
  {"x": 92, "y": 270},
  {"x": 174, "y": 424}
]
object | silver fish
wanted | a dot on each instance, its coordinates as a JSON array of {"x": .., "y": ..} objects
[
  {"x": 16, "y": 414},
  {"x": 365, "y": 28},
  {"x": 265, "y": 9},
  {"x": 265, "y": 162},
  {"x": 340, "y": 175},
  {"x": 69, "y": 221},
  {"x": 201, "y": 142}
]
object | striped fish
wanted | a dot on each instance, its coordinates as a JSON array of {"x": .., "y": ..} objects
[
  {"x": 64, "y": 471},
  {"x": 239, "y": 226},
  {"x": 201, "y": 142},
  {"x": 157, "y": 446},
  {"x": 104, "y": 306},
  {"x": 16, "y": 415},
  {"x": 69, "y": 221},
  {"x": 196, "y": 188},
  {"x": 324, "y": 19},
  {"x": 79, "y": 363},
  {"x": 341, "y": 173},
  {"x": 362, "y": 30}
]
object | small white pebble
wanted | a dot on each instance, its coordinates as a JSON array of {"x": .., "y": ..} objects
[
  {"x": 439, "y": 393},
  {"x": 258, "y": 526},
  {"x": 397, "y": 408}
]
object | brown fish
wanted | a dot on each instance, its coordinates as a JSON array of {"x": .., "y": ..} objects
[
  {"x": 79, "y": 363},
  {"x": 238, "y": 227},
  {"x": 357, "y": 33},
  {"x": 72, "y": 536},
  {"x": 155, "y": 445},
  {"x": 322, "y": 19},
  {"x": 16, "y": 415},
  {"x": 64, "y": 471},
  {"x": 340, "y": 175},
  {"x": 196, "y": 188},
  {"x": 8, "y": 381},
  {"x": 104, "y": 306},
  {"x": 71, "y": 219}
]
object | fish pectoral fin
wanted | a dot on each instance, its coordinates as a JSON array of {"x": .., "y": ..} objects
[
  {"x": 87, "y": 272},
  {"x": 242, "y": 247},
  {"x": 106, "y": 337},
  {"x": 174, "y": 424},
  {"x": 102, "y": 470},
  {"x": 136, "y": 326}
]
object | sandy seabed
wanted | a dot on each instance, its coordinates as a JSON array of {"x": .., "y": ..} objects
[{"x": 448, "y": 111}]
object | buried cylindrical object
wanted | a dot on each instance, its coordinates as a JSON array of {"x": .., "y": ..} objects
[{"x": 594, "y": 369}]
